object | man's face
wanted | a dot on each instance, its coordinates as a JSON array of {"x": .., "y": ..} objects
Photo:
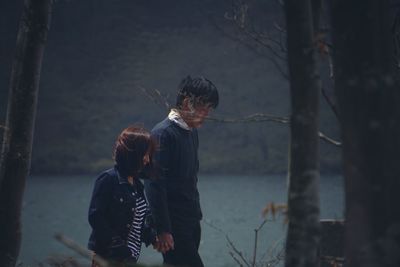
[
  {"x": 146, "y": 159},
  {"x": 195, "y": 114}
]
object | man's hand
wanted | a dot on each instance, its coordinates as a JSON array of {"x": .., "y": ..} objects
[{"x": 164, "y": 242}]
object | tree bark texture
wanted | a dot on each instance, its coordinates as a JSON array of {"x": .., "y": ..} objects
[
  {"x": 17, "y": 140},
  {"x": 368, "y": 95},
  {"x": 303, "y": 197}
]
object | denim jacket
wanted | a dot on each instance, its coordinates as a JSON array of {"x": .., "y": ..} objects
[{"x": 111, "y": 214}]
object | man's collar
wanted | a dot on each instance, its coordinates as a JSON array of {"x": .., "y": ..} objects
[{"x": 177, "y": 118}]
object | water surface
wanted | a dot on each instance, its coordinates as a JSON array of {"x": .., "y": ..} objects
[{"x": 232, "y": 204}]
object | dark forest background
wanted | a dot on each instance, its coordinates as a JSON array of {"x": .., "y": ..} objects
[{"x": 98, "y": 55}]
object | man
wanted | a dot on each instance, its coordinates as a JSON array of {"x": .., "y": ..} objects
[{"x": 173, "y": 197}]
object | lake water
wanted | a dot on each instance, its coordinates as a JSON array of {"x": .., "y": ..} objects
[{"x": 232, "y": 204}]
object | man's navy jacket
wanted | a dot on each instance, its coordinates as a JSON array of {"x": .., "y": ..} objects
[{"x": 173, "y": 197}]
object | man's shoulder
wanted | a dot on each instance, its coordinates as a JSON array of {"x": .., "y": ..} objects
[{"x": 163, "y": 126}]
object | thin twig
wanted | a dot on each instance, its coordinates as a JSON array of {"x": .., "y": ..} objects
[
  {"x": 262, "y": 224},
  {"x": 255, "y": 247},
  {"x": 330, "y": 103},
  {"x": 259, "y": 117},
  {"x": 279, "y": 27},
  {"x": 330, "y": 63},
  {"x": 329, "y": 140},
  {"x": 160, "y": 100},
  {"x": 241, "y": 41},
  {"x": 256, "y": 117},
  {"x": 86, "y": 253},
  {"x": 256, "y": 240},
  {"x": 231, "y": 244},
  {"x": 156, "y": 96},
  {"x": 272, "y": 248},
  {"x": 278, "y": 43},
  {"x": 276, "y": 258},
  {"x": 256, "y": 37},
  {"x": 235, "y": 259},
  {"x": 238, "y": 252}
]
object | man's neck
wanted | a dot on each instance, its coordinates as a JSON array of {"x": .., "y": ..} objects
[{"x": 178, "y": 116}]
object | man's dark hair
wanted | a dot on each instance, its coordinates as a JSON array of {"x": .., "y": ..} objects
[
  {"x": 130, "y": 147},
  {"x": 199, "y": 89}
]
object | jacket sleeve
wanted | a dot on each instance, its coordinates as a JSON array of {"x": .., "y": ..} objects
[
  {"x": 98, "y": 220},
  {"x": 148, "y": 235},
  {"x": 155, "y": 189}
]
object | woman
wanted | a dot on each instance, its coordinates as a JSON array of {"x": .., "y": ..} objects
[{"x": 118, "y": 212}]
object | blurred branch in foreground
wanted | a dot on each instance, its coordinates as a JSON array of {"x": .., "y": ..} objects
[
  {"x": 156, "y": 97},
  {"x": 80, "y": 250},
  {"x": 86, "y": 254}
]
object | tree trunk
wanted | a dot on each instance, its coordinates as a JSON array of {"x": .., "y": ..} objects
[
  {"x": 368, "y": 96},
  {"x": 303, "y": 200},
  {"x": 17, "y": 140}
]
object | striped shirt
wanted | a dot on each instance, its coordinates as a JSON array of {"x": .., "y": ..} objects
[{"x": 134, "y": 235}]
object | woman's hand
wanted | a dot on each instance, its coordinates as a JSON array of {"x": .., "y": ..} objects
[{"x": 164, "y": 242}]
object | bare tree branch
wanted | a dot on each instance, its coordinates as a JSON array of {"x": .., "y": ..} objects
[
  {"x": 86, "y": 253},
  {"x": 238, "y": 255},
  {"x": 255, "y": 36},
  {"x": 241, "y": 41},
  {"x": 235, "y": 259},
  {"x": 330, "y": 62},
  {"x": 255, "y": 248},
  {"x": 260, "y": 117},
  {"x": 257, "y": 117},
  {"x": 256, "y": 242},
  {"x": 330, "y": 103},
  {"x": 238, "y": 252},
  {"x": 230, "y": 243},
  {"x": 271, "y": 250},
  {"x": 279, "y": 43},
  {"x": 264, "y": 40},
  {"x": 329, "y": 140},
  {"x": 260, "y": 38},
  {"x": 279, "y": 27},
  {"x": 156, "y": 97}
]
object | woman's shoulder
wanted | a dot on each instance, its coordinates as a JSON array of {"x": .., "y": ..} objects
[
  {"x": 104, "y": 182},
  {"x": 108, "y": 176}
]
